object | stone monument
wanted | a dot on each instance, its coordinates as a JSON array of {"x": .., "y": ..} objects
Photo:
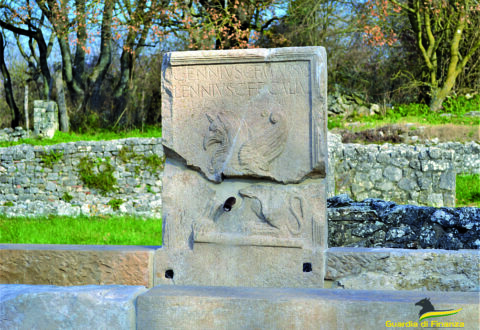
[
  {"x": 244, "y": 196},
  {"x": 45, "y": 118}
]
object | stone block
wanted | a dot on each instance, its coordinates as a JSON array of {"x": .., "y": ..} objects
[
  {"x": 183, "y": 307},
  {"x": 51, "y": 307},
  {"x": 245, "y": 176},
  {"x": 75, "y": 264},
  {"x": 402, "y": 269},
  {"x": 45, "y": 118},
  {"x": 281, "y": 226},
  {"x": 392, "y": 173},
  {"x": 255, "y": 113},
  {"x": 238, "y": 266}
]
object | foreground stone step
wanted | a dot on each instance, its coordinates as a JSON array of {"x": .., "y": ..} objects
[
  {"x": 189, "y": 307},
  {"x": 78, "y": 307}
]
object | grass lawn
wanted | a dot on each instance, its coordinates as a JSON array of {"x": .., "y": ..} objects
[
  {"x": 94, "y": 135},
  {"x": 468, "y": 190},
  {"x": 454, "y": 112},
  {"x": 114, "y": 230}
]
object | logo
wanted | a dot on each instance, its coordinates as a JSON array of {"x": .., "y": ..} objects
[
  {"x": 426, "y": 317},
  {"x": 428, "y": 311}
]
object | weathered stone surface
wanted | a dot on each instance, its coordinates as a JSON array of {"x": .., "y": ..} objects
[
  {"x": 399, "y": 269},
  {"x": 257, "y": 112},
  {"x": 240, "y": 266},
  {"x": 45, "y": 118},
  {"x": 180, "y": 307},
  {"x": 51, "y": 307},
  {"x": 377, "y": 223},
  {"x": 282, "y": 226},
  {"x": 75, "y": 264},
  {"x": 419, "y": 175},
  {"x": 143, "y": 198},
  {"x": 30, "y": 187},
  {"x": 244, "y": 182}
]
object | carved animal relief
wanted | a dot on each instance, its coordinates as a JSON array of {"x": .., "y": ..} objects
[{"x": 246, "y": 146}]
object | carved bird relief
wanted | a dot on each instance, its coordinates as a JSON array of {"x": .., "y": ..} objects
[
  {"x": 261, "y": 141},
  {"x": 257, "y": 154},
  {"x": 220, "y": 136}
]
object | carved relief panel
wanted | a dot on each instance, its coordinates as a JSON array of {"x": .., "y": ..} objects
[{"x": 258, "y": 114}]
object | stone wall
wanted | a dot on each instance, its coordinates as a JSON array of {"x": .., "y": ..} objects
[
  {"x": 13, "y": 135},
  {"x": 405, "y": 174},
  {"x": 422, "y": 175},
  {"x": 47, "y": 179},
  {"x": 401, "y": 269},
  {"x": 381, "y": 268},
  {"x": 377, "y": 223},
  {"x": 466, "y": 156}
]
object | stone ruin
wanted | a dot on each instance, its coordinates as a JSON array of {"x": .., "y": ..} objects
[
  {"x": 45, "y": 118},
  {"x": 245, "y": 138}
]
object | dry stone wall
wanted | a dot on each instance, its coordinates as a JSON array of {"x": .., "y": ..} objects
[
  {"x": 48, "y": 179},
  {"x": 407, "y": 174},
  {"x": 29, "y": 187},
  {"x": 466, "y": 156},
  {"x": 13, "y": 135}
]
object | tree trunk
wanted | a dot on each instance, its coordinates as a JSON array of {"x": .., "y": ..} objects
[
  {"x": 97, "y": 76},
  {"x": 62, "y": 106},
  {"x": 8, "y": 87}
]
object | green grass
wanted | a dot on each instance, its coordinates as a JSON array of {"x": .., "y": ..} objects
[
  {"x": 453, "y": 112},
  {"x": 468, "y": 190},
  {"x": 96, "y": 135},
  {"x": 114, "y": 230}
]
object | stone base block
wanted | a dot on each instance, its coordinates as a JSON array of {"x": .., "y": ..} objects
[
  {"x": 183, "y": 307},
  {"x": 84, "y": 307},
  {"x": 254, "y": 266},
  {"x": 75, "y": 264},
  {"x": 402, "y": 269}
]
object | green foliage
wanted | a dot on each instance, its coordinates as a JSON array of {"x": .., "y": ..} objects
[
  {"x": 126, "y": 154},
  {"x": 67, "y": 197},
  {"x": 51, "y": 158},
  {"x": 453, "y": 113},
  {"x": 335, "y": 122},
  {"x": 468, "y": 190},
  {"x": 115, "y": 203},
  {"x": 97, "y": 174},
  {"x": 107, "y": 230},
  {"x": 461, "y": 105},
  {"x": 8, "y": 203},
  {"x": 155, "y": 162}
]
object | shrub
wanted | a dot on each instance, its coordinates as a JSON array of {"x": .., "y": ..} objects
[
  {"x": 103, "y": 180},
  {"x": 51, "y": 158},
  {"x": 67, "y": 197},
  {"x": 115, "y": 203}
]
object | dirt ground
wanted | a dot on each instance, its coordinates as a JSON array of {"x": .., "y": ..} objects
[{"x": 410, "y": 133}]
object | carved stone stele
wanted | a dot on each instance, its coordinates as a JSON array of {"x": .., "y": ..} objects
[
  {"x": 257, "y": 112},
  {"x": 244, "y": 198}
]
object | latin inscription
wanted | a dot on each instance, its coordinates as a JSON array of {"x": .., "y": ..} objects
[{"x": 212, "y": 81}]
